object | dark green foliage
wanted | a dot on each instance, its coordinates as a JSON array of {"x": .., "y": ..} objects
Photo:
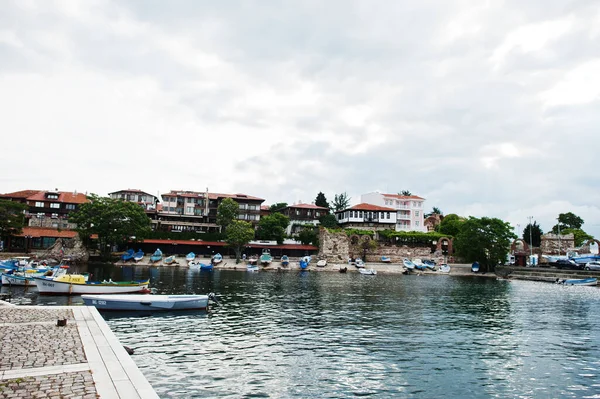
[
  {"x": 410, "y": 237},
  {"x": 12, "y": 218},
  {"x": 486, "y": 240},
  {"x": 272, "y": 227},
  {"x": 536, "y": 234},
  {"x": 114, "y": 221},
  {"x": 329, "y": 221},
  {"x": 239, "y": 233},
  {"x": 321, "y": 200},
  {"x": 580, "y": 236},
  {"x": 278, "y": 207},
  {"x": 450, "y": 225},
  {"x": 227, "y": 211},
  {"x": 567, "y": 221},
  {"x": 405, "y": 193},
  {"x": 340, "y": 202},
  {"x": 351, "y": 232},
  {"x": 309, "y": 236}
]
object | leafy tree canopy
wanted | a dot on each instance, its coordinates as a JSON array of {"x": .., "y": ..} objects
[
  {"x": 329, "y": 221},
  {"x": 238, "y": 234},
  {"x": 278, "y": 206},
  {"x": 11, "y": 217},
  {"x": 580, "y": 236},
  {"x": 567, "y": 221},
  {"x": 434, "y": 211},
  {"x": 227, "y": 211},
  {"x": 340, "y": 201},
  {"x": 321, "y": 200},
  {"x": 486, "y": 240},
  {"x": 113, "y": 220},
  {"x": 272, "y": 227},
  {"x": 450, "y": 225},
  {"x": 308, "y": 236},
  {"x": 536, "y": 234}
]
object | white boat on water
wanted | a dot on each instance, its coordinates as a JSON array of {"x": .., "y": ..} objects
[
  {"x": 408, "y": 265},
  {"x": 252, "y": 267},
  {"x": 367, "y": 272},
  {"x": 322, "y": 263},
  {"x": 75, "y": 284},
  {"x": 145, "y": 302}
]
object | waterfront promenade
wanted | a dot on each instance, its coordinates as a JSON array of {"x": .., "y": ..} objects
[{"x": 82, "y": 359}]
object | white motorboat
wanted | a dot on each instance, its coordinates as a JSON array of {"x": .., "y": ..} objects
[
  {"x": 76, "y": 284},
  {"x": 322, "y": 263},
  {"x": 148, "y": 302},
  {"x": 367, "y": 272}
]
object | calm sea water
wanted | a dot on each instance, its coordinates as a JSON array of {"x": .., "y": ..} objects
[{"x": 331, "y": 335}]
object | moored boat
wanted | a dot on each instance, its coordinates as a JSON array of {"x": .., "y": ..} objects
[
  {"x": 285, "y": 260},
  {"x": 584, "y": 281},
  {"x": 303, "y": 264},
  {"x": 265, "y": 257},
  {"x": 252, "y": 267},
  {"x": 190, "y": 257},
  {"x": 444, "y": 268},
  {"x": 138, "y": 256},
  {"x": 475, "y": 267},
  {"x": 169, "y": 260},
  {"x": 322, "y": 263},
  {"x": 386, "y": 259},
  {"x": 148, "y": 302},
  {"x": 252, "y": 260},
  {"x": 218, "y": 258},
  {"x": 75, "y": 284},
  {"x": 359, "y": 263},
  {"x": 156, "y": 256},
  {"x": 206, "y": 267},
  {"x": 408, "y": 265},
  {"x": 367, "y": 272},
  {"x": 128, "y": 255}
]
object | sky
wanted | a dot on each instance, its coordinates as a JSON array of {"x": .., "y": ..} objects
[{"x": 483, "y": 108}]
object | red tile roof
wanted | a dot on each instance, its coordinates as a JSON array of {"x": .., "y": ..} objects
[
  {"x": 265, "y": 207},
  {"x": 20, "y": 194},
  {"x": 45, "y": 232},
  {"x": 404, "y": 197},
  {"x": 67, "y": 197},
  {"x": 234, "y": 196},
  {"x": 307, "y": 206},
  {"x": 370, "y": 207}
]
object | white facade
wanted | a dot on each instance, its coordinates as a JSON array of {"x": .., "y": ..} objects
[
  {"x": 366, "y": 216},
  {"x": 410, "y": 209}
]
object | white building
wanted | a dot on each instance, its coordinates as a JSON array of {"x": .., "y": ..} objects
[
  {"x": 409, "y": 209},
  {"x": 368, "y": 217}
]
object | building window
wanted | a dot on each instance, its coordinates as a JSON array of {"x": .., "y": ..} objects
[
  {"x": 39, "y": 204},
  {"x": 55, "y": 205},
  {"x": 387, "y": 215},
  {"x": 52, "y": 196},
  {"x": 417, "y": 224},
  {"x": 190, "y": 209},
  {"x": 417, "y": 213},
  {"x": 317, "y": 214},
  {"x": 70, "y": 206}
]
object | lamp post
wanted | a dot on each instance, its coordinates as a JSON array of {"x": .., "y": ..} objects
[
  {"x": 558, "y": 237},
  {"x": 530, "y": 240}
]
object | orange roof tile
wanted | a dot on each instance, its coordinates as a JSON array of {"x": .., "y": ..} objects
[
  {"x": 307, "y": 206},
  {"x": 46, "y": 232},
  {"x": 406, "y": 197},
  {"x": 20, "y": 194},
  {"x": 67, "y": 197}
]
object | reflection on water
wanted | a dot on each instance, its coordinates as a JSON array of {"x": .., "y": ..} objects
[{"x": 314, "y": 335}]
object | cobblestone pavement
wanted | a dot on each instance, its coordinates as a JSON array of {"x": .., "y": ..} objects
[
  {"x": 65, "y": 385},
  {"x": 21, "y": 315},
  {"x": 39, "y": 345}
]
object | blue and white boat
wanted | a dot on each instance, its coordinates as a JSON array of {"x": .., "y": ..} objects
[
  {"x": 266, "y": 258},
  {"x": 156, "y": 256},
  {"x": 169, "y": 260},
  {"x": 218, "y": 258},
  {"x": 128, "y": 255},
  {"x": 138, "y": 256},
  {"x": 190, "y": 257},
  {"x": 475, "y": 267},
  {"x": 206, "y": 267},
  {"x": 408, "y": 265},
  {"x": 444, "y": 268},
  {"x": 252, "y": 267},
  {"x": 143, "y": 302},
  {"x": 386, "y": 259},
  {"x": 583, "y": 281},
  {"x": 285, "y": 260},
  {"x": 303, "y": 264}
]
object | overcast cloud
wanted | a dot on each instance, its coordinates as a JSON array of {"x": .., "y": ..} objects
[{"x": 485, "y": 108}]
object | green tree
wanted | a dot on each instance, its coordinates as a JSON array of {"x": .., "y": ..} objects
[
  {"x": 434, "y": 211},
  {"x": 116, "y": 222},
  {"x": 238, "y": 234},
  {"x": 227, "y": 211},
  {"x": 536, "y": 234},
  {"x": 406, "y": 193},
  {"x": 367, "y": 245},
  {"x": 340, "y": 202},
  {"x": 580, "y": 236},
  {"x": 12, "y": 218},
  {"x": 567, "y": 221},
  {"x": 278, "y": 207},
  {"x": 486, "y": 240},
  {"x": 329, "y": 221},
  {"x": 308, "y": 236},
  {"x": 450, "y": 225},
  {"x": 272, "y": 227},
  {"x": 321, "y": 200}
]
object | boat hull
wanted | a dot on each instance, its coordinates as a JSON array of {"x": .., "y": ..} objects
[
  {"x": 146, "y": 302},
  {"x": 18, "y": 280},
  {"x": 585, "y": 282},
  {"x": 51, "y": 287}
]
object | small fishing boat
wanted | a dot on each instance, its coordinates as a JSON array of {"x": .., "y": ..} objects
[
  {"x": 252, "y": 267},
  {"x": 408, "y": 265},
  {"x": 386, "y": 259},
  {"x": 156, "y": 256},
  {"x": 359, "y": 263},
  {"x": 169, "y": 260},
  {"x": 252, "y": 260},
  {"x": 138, "y": 256},
  {"x": 266, "y": 258},
  {"x": 206, "y": 267},
  {"x": 367, "y": 272},
  {"x": 584, "y": 281},
  {"x": 444, "y": 268},
  {"x": 128, "y": 255},
  {"x": 148, "y": 302},
  {"x": 343, "y": 269},
  {"x": 475, "y": 267},
  {"x": 75, "y": 284},
  {"x": 190, "y": 257},
  {"x": 218, "y": 258},
  {"x": 322, "y": 263},
  {"x": 303, "y": 264},
  {"x": 429, "y": 264},
  {"x": 285, "y": 260}
]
